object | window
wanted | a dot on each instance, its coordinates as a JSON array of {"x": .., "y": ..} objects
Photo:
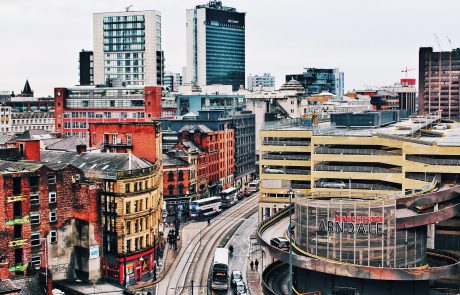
[
  {"x": 17, "y": 186},
  {"x": 53, "y": 216},
  {"x": 171, "y": 190},
  {"x": 128, "y": 227},
  {"x": 52, "y": 197},
  {"x": 35, "y": 239},
  {"x": 128, "y": 207},
  {"x": 35, "y": 218},
  {"x": 127, "y": 188},
  {"x": 181, "y": 189},
  {"x": 53, "y": 236},
  {"x": 170, "y": 176},
  {"x": 52, "y": 179},
  {"x": 34, "y": 199},
  {"x": 36, "y": 261},
  {"x": 181, "y": 175},
  {"x": 136, "y": 208},
  {"x": 128, "y": 246}
]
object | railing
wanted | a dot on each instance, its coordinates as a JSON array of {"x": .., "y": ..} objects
[
  {"x": 343, "y": 185},
  {"x": 287, "y": 171},
  {"x": 285, "y": 157},
  {"x": 286, "y": 143},
  {"x": 404, "y": 138},
  {"x": 367, "y": 169},
  {"x": 119, "y": 142},
  {"x": 301, "y": 123},
  {"x": 431, "y": 161},
  {"x": 427, "y": 177},
  {"x": 322, "y": 150}
]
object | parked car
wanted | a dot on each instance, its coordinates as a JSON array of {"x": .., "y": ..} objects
[
  {"x": 336, "y": 184},
  {"x": 240, "y": 289},
  {"x": 440, "y": 127},
  {"x": 280, "y": 243},
  {"x": 274, "y": 170},
  {"x": 240, "y": 195},
  {"x": 236, "y": 277}
]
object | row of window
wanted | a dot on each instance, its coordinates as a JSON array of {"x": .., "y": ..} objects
[
  {"x": 125, "y": 18},
  {"x": 35, "y": 198},
  {"x": 35, "y": 238},
  {"x": 137, "y": 225},
  {"x": 127, "y": 62},
  {"x": 138, "y": 206},
  {"x": 137, "y": 244},
  {"x": 35, "y": 217}
]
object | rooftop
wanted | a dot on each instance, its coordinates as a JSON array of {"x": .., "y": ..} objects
[{"x": 94, "y": 165}]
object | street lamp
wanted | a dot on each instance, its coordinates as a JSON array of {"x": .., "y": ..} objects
[
  {"x": 46, "y": 260},
  {"x": 290, "y": 192}
]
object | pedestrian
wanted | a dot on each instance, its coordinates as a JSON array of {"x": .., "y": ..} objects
[
  {"x": 209, "y": 221},
  {"x": 252, "y": 265},
  {"x": 257, "y": 264}
]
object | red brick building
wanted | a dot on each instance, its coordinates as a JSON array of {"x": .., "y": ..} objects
[
  {"x": 140, "y": 139},
  {"x": 176, "y": 181},
  {"x": 77, "y": 107},
  {"x": 51, "y": 221},
  {"x": 219, "y": 148}
]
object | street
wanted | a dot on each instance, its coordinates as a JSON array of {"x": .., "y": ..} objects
[{"x": 198, "y": 244}]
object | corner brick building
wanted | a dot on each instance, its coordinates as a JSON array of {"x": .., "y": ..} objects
[{"x": 51, "y": 221}]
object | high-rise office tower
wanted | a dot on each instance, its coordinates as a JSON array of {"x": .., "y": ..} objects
[
  {"x": 127, "y": 46},
  {"x": 439, "y": 82},
  {"x": 216, "y": 45}
]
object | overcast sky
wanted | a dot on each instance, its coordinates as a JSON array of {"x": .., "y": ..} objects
[{"x": 370, "y": 40}]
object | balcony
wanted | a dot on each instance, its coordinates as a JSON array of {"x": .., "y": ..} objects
[{"x": 118, "y": 143}]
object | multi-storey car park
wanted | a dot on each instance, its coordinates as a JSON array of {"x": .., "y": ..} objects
[{"x": 376, "y": 202}]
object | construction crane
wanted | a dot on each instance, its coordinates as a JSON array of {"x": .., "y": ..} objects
[
  {"x": 406, "y": 70},
  {"x": 437, "y": 41},
  {"x": 450, "y": 43},
  {"x": 128, "y": 8}
]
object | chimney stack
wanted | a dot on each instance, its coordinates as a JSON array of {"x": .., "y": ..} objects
[{"x": 81, "y": 148}]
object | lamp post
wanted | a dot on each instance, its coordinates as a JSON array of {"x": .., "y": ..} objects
[
  {"x": 46, "y": 260},
  {"x": 124, "y": 254},
  {"x": 290, "y": 192},
  {"x": 155, "y": 254}
]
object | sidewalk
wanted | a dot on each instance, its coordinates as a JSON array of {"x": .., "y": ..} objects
[
  {"x": 169, "y": 255},
  {"x": 253, "y": 277}
]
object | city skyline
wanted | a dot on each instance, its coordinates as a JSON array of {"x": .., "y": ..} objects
[{"x": 368, "y": 51}]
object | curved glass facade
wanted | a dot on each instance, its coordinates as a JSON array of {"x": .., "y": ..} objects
[{"x": 359, "y": 232}]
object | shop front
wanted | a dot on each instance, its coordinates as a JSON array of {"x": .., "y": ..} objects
[{"x": 138, "y": 267}]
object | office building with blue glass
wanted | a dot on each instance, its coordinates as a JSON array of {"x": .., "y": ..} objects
[
  {"x": 216, "y": 45},
  {"x": 316, "y": 80}
]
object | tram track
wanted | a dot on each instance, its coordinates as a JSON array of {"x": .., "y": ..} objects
[{"x": 193, "y": 259}]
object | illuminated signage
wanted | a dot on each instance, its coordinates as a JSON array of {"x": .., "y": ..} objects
[
  {"x": 22, "y": 220},
  {"x": 19, "y": 267},
  {"x": 16, "y": 199},
  {"x": 17, "y": 243},
  {"x": 353, "y": 224}
]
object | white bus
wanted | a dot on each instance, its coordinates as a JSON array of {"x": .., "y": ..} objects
[
  {"x": 205, "y": 207},
  {"x": 229, "y": 197},
  {"x": 220, "y": 269}
]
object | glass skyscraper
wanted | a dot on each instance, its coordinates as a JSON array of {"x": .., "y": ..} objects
[{"x": 216, "y": 45}]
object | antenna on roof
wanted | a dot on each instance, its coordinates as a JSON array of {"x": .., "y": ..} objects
[{"x": 128, "y": 8}]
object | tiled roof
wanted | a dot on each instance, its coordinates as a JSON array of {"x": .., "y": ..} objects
[{"x": 67, "y": 144}]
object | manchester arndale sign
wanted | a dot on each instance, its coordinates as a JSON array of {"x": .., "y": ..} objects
[{"x": 353, "y": 224}]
